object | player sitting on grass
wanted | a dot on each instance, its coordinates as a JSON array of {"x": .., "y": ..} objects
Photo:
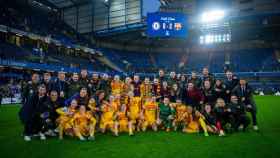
[
  {"x": 134, "y": 109},
  {"x": 65, "y": 124},
  {"x": 195, "y": 121},
  {"x": 181, "y": 115},
  {"x": 84, "y": 124},
  {"x": 165, "y": 115},
  {"x": 108, "y": 118},
  {"x": 210, "y": 119},
  {"x": 122, "y": 123},
  {"x": 222, "y": 116},
  {"x": 149, "y": 112}
]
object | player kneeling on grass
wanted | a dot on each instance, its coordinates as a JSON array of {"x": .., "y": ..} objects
[
  {"x": 134, "y": 109},
  {"x": 165, "y": 115},
  {"x": 195, "y": 120},
  {"x": 107, "y": 120},
  {"x": 84, "y": 124},
  {"x": 122, "y": 123},
  {"x": 65, "y": 123},
  {"x": 149, "y": 112},
  {"x": 181, "y": 116}
]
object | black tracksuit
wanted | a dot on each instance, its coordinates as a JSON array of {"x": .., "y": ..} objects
[
  {"x": 50, "y": 108},
  {"x": 30, "y": 114},
  {"x": 209, "y": 96},
  {"x": 247, "y": 93},
  {"x": 223, "y": 116},
  {"x": 238, "y": 111}
]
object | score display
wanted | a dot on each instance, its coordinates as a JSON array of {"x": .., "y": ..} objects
[{"x": 166, "y": 25}]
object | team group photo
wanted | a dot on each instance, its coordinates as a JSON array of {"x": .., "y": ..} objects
[
  {"x": 139, "y": 78},
  {"x": 81, "y": 105}
]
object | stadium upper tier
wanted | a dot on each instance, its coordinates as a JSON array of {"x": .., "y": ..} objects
[
  {"x": 253, "y": 60},
  {"x": 44, "y": 54}
]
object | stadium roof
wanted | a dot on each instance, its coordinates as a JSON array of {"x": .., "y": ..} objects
[{"x": 61, "y": 4}]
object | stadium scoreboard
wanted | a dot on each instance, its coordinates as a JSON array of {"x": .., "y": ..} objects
[{"x": 167, "y": 25}]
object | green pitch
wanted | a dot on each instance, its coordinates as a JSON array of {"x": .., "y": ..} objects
[{"x": 263, "y": 144}]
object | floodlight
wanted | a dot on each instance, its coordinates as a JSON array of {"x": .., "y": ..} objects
[{"x": 212, "y": 16}]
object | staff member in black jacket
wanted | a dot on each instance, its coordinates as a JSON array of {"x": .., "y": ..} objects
[
  {"x": 31, "y": 114},
  {"x": 47, "y": 81},
  {"x": 209, "y": 93},
  {"x": 231, "y": 81},
  {"x": 61, "y": 85},
  {"x": 30, "y": 88},
  {"x": 245, "y": 94},
  {"x": 238, "y": 111},
  {"x": 53, "y": 103}
]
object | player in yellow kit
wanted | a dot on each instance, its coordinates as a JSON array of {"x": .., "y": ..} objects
[
  {"x": 195, "y": 121},
  {"x": 146, "y": 89},
  {"x": 116, "y": 101},
  {"x": 149, "y": 112},
  {"x": 92, "y": 104},
  {"x": 134, "y": 110},
  {"x": 122, "y": 123},
  {"x": 84, "y": 124},
  {"x": 108, "y": 116},
  {"x": 181, "y": 115},
  {"x": 64, "y": 121},
  {"x": 117, "y": 85}
]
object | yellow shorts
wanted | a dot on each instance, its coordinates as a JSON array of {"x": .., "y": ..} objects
[
  {"x": 193, "y": 127},
  {"x": 65, "y": 122},
  {"x": 134, "y": 117},
  {"x": 123, "y": 124},
  {"x": 180, "y": 120},
  {"x": 107, "y": 124},
  {"x": 83, "y": 129},
  {"x": 149, "y": 121}
]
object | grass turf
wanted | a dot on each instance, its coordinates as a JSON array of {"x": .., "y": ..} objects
[{"x": 265, "y": 143}]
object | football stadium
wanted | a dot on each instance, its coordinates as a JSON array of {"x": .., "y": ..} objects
[{"x": 139, "y": 78}]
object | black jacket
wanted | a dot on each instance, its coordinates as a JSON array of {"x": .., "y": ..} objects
[
  {"x": 33, "y": 108},
  {"x": 237, "y": 109},
  {"x": 247, "y": 94}
]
